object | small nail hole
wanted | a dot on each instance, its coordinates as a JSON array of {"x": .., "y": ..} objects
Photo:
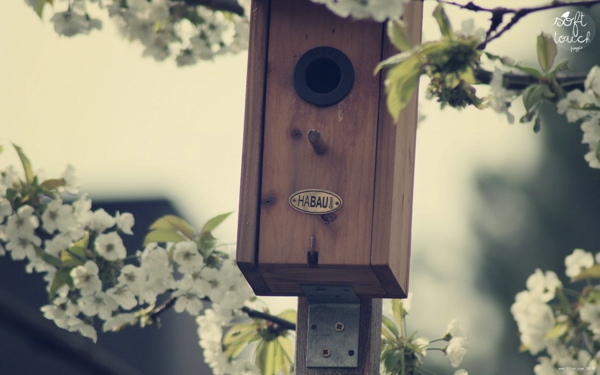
[
  {"x": 313, "y": 327},
  {"x": 351, "y": 353}
]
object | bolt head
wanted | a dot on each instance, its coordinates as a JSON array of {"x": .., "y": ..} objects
[
  {"x": 339, "y": 326},
  {"x": 325, "y": 352}
]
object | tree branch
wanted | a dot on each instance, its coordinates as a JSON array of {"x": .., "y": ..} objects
[
  {"x": 515, "y": 81},
  {"x": 499, "y": 13},
  {"x": 285, "y": 324},
  {"x": 226, "y": 5}
]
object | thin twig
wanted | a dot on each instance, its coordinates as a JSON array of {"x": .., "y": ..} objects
[
  {"x": 499, "y": 13},
  {"x": 515, "y": 81},
  {"x": 285, "y": 324}
]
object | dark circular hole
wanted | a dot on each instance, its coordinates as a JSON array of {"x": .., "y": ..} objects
[
  {"x": 313, "y": 327},
  {"x": 323, "y": 75},
  {"x": 351, "y": 353}
]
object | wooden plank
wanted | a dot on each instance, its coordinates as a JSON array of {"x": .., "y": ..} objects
[
  {"x": 247, "y": 236},
  {"x": 392, "y": 215},
  {"x": 287, "y": 280},
  {"x": 369, "y": 346},
  {"x": 349, "y": 128}
]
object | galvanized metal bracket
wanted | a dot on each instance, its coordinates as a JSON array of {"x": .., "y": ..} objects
[{"x": 333, "y": 326}]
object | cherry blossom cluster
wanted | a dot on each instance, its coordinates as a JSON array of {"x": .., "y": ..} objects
[
  {"x": 90, "y": 276},
  {"x": 402, "y": 353},
  {"x": 585, "y": 105},
  {"x": 562, "y": 325},
  {"x": 164, "y": 27}
]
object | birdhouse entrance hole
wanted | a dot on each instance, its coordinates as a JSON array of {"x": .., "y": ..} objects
[{"x": 323, "y": 76}]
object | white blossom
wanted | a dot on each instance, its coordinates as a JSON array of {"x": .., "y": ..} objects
[
  {"x": 543, "y": 285},
  {"x": 591, "y": 136},
  {"x": 187, "y": 301},
  {"x": 455, "y": 329},
  {"x": 545, "y": 367},
  {"x": 133, "y": 277},
  {"x": 123, "y": 295},
  {"x": 58, "y": 216},
  {"x": 118, "y": 321},
  {"x": 187, "y": 256},
  {"x": 22, "y": 222},
  {"x": 86, "y": 278},
  {"x": 69, "y": 23},
  {"x": 534, "y": 319},
  {"x": 456, "y": 350},
  {"x": 590, "y": 313},
  {"x": 110, "y": 246},
  {"x": 99, "y": 303},
  {"x": 379, "y": 10},
  {"x": 124, "y": 222},
  {"x": 5, "y": 209},
  {"x": 72, "y": 183},
  {"x": 100, "y": 221},
  {"x": 592, "y": 81},
  {"x": 86, "y": 330},
  {"x": 578, "y": 261},
  {"x": 500, "y": 98},
  {"x": 571, "y": 105}
]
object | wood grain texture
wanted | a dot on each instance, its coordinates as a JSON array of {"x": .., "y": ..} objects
[
  {"x": 247, "y": 236},
  {"x": 392, "y": 216},
  {"x": 349, "y": 128},
  {"x": 369, "y": 346}
]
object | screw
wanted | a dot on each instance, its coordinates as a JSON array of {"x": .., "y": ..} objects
[
  {"x": 339, "y": 326},
  {"x": 325, "y": 352}
]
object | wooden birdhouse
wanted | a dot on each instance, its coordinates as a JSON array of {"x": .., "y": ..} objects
[{"x": 327, "y": 176}]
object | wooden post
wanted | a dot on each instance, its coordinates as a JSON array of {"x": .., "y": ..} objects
[{"x": 369, "y": 346}]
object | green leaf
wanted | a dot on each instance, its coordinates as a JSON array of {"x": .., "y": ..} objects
[
  {"x": 443, "y": 22},
  {"x": 393, "y": 359},
  {"x": 273, "y": 356},
  {"x": 213, "y": 223},
  {"x": 238, "y": 337},
  {"x": 591, "y": 273},
  {"x": 561, "y": 66},
  {"x": 289, "y": 315},
  {"x": 163, "y": 235},
  {"x": 537, "y": 124},
  {"x": 53, "y": 183},
  {"x": 391, "y": 62},
  {"x": 401, "y": 83},
  {"x": 76, "y": 255},
  {"x": 38, "y": 6},
  {"x": 48, "y": 258},
  {"x": 546, "y": 51},
  {"x": 398, "y": 311},
  {"x": 29, "y": 175},
  {"x": 532, "y": 96},
  {"x": 531, "y": 71},
  {"x": 390, "y": 330},
  {"x": 61, "y": 277},
  {"x": 398, "y": 36},
  {"x": 174, "y": 223},
  {"x": 557, "y": 331},
  {"x": 287, "y": 355}
]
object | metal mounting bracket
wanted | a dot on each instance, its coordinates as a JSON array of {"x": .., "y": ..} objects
[{"x": 333, "y": 326}]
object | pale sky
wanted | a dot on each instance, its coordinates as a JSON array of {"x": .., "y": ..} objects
[{"x": 133, "y": 128}]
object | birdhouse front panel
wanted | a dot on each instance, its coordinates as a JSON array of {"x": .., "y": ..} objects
[{"x": 312, "y": 168}]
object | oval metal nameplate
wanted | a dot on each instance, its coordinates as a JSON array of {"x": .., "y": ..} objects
[{"x": 315, "y": 201}]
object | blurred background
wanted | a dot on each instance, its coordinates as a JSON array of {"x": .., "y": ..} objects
[{"x": 492, "y": 201}]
